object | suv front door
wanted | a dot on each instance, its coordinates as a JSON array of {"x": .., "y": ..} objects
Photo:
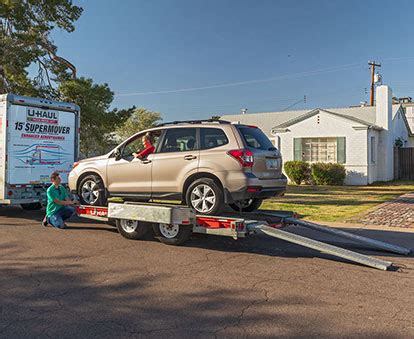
[
  {"x": 176, "y": 158},
  {"x": 127, "y": 175}
]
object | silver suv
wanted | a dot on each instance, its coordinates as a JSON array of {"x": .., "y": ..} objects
[{"x": 205, "y": 164}]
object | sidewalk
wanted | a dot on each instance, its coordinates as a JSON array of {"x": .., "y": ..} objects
[{"x": 398, "y": 212}]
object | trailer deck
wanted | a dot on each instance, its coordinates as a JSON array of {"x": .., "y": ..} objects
[{"x": 173, "y": 224}]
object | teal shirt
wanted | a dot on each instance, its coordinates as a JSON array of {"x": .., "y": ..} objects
[{"x": 52, "y": 194}]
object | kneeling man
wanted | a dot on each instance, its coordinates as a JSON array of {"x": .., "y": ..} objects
[{"x": 59, "y": 206}]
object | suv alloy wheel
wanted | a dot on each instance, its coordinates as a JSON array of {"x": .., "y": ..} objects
[{"x": 204, "y": 196}]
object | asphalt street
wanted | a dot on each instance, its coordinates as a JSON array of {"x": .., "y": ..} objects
[{"x": 88, "y": 281}]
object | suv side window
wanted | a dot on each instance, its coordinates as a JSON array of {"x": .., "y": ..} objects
[
  {"x": 212, "y": 137},
  {"x": 135, "y": 145},
  {"x": 179, "y": 140}
]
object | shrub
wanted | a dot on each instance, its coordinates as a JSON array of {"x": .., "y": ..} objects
[
  {"x": 328, "y": 173},
  {"x": 297, "y": 171}
]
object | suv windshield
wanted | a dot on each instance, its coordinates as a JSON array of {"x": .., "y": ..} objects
[{"x": 255, "y": 138}]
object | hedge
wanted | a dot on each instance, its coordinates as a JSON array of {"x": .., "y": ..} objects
[
  {"x": 328, "y": 173},
  {"x": 297, "y": 171}
]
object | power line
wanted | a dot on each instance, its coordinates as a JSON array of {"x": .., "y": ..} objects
[{"x": 240, "y": 83}]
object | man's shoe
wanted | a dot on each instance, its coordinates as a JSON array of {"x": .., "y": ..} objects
[{"x": 44, "y": 222}]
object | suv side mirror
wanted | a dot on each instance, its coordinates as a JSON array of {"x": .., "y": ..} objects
[{"x": 117, "y": 154}]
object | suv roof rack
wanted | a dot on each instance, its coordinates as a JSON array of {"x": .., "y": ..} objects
[{"x": 193, "y": 122}]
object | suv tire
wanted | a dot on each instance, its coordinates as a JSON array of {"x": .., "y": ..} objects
[
  {"x": 132, "y": 229},
  {"x": 204, "y": 196},
  {"x": 91, "y": 191},
  {"x": 247, "y": 205},
  {"x": 172, "y": 234}
]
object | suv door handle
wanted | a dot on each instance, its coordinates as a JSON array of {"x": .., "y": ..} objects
[
  {"x": 146, "y": 161},
  {"x": 190, "y": 157}
]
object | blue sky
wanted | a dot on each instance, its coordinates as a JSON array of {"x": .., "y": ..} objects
[{"x": 294, "y": 48}]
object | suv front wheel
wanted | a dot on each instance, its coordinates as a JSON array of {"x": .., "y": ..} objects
[
  {"x": 91, "y": 191},
  {"x": 204, "y": 196}
]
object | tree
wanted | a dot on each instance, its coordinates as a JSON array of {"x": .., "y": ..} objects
[
  {"x": 96, "y": 121},
  {"x": 25, "y": 26},
  {"x": 140, "y": 119}
]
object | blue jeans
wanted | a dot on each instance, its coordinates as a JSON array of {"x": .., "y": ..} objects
[{"x": 58, "y": 220}]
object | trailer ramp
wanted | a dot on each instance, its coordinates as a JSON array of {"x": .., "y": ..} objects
[{"x": 321, "y": 246}]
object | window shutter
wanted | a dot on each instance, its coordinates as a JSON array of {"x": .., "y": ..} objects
[
  {"x": 297, "y": 148},
  {"x": 341, "y": 150}
]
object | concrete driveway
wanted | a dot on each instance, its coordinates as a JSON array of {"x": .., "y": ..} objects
[{"x": 88, "y": 281}]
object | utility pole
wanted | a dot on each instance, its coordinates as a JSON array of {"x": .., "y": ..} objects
[{"x": 373, "y": 65}]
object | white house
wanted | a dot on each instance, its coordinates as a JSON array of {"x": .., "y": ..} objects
[{"x": 362, "y": 138}]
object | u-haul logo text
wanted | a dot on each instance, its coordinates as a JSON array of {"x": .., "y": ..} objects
[{"x": 42, "y": 116}]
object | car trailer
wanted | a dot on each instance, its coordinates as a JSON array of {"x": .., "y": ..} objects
[{"x": 173, "y": 225}]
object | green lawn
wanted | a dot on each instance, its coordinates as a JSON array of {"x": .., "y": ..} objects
[
  {"x": 333, "y": 203},
  {"x": 336, "y": 203}
]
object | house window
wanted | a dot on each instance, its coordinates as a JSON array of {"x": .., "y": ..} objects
[
  {"x": 320, "y": 149},
  {"x": 373, "y": 151}
]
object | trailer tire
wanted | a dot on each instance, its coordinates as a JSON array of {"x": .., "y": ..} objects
[
  {"x": 32, "y": 206},
  {"x": 92, "y": 184},
  {"x": 132, "y": 229},
  {"x": 172, "y": 234},
  {"x": 248, "y": 205}
]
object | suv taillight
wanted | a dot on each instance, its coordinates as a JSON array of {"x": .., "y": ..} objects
[
  {"x": 243, "y": 156},
  {"x": 75, "y": 164}
]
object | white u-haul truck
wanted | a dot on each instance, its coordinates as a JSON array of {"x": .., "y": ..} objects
[{"x": 37, "y": 137}]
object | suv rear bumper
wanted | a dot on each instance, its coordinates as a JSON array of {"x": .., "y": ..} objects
[{"x": 257, "y": 188}]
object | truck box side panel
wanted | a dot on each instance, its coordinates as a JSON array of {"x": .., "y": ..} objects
[
  {"x": 3, "y": 119},
  {"x": 40, "y": 141}
]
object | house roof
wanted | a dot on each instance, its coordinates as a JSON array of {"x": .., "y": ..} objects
[{"x": 270, "y": 120}]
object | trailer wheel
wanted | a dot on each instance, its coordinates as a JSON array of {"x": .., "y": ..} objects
[
  {"x": 32, "y": 206},
  {"x": 172, "y": 234},
  {"x": 247, "y": 205},
  {"x": 91, "y": 191},
  {"x": 132, "y": 229}
]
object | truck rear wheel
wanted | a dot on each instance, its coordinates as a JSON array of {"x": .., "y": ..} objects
[
  {"x": 91, "y": 191},
  {"x": 32, "y": 206},
  {"x": 132, "y": 229},
  {"x": 172, "y": 234}
]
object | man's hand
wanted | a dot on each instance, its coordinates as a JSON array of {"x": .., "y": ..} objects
[{"x": 136, "y": 155}]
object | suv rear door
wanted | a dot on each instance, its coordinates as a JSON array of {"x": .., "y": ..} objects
[
  {"x": 175, "y": 159},
  {"x": 267, "y": 159}
]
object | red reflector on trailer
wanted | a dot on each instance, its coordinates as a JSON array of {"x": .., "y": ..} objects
[
  {"x": 185, "y": 222},
  {"x": 253, "y": 189},
  {"x": 10, "y": 193}
]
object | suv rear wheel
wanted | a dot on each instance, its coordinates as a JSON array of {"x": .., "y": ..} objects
[
  {"x": 246, "y": 205},
  {"x": 91, "y": 191},
  {"x": 204, "y": 196}
]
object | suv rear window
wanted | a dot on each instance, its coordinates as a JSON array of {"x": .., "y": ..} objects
[
  {"x": 212, "y": 137},
  {"x": 255, "y": 138}
]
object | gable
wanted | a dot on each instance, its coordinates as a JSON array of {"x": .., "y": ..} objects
[{"x": 352, "y": 121}]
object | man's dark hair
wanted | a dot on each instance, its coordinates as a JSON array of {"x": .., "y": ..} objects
[{"x": 54, "y": 175}]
